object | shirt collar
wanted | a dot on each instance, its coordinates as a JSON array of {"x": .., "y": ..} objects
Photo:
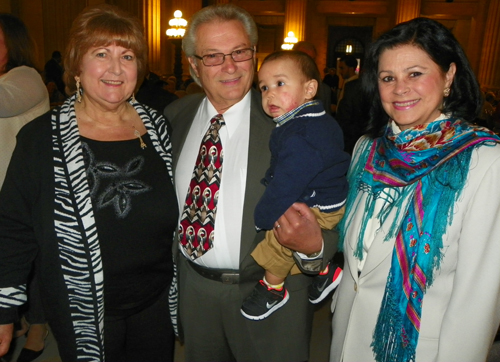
[
  {"x": 284, "y": 118},
  {"x": 232, "y": 117}
]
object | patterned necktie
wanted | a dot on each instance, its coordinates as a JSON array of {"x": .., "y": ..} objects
[{"x": 196, "y": 229}]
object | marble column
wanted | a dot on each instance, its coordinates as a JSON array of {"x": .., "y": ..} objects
[
  {"x": 407, "y": 10},
  {"x": 153, "y": 31},
  {"x": 489, "y": 70},
  {"x": 295, "y": 18}
]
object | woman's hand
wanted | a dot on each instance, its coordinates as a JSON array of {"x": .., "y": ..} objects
[
  {"x": 6, "y": 331},
  {"x": 298, "y": 229}
]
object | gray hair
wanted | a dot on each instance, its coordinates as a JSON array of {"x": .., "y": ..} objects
[{"x": 216, "y": 13}]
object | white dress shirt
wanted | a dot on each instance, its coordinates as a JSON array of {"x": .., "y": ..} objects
[{"x": 235, "y": 141}]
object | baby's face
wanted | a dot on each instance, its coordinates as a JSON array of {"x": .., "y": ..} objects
[{"x": 283, "y": 87}]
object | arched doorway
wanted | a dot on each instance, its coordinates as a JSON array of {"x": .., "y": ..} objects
[
  {"x": 350, "y": 46},
  {"x": 359, "y": 37}
]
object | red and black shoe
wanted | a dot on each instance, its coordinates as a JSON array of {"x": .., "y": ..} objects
[
  {"x": 263, "y": 301},
  {"x": 324, "y": 283}
]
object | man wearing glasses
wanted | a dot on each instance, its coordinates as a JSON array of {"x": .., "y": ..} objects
[{"x": 216, "y": 229}]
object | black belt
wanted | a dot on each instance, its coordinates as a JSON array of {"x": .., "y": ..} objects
[{"x": 225, "y": 276}]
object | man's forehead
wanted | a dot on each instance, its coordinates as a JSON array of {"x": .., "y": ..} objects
[{"x": 219, "y": 34}]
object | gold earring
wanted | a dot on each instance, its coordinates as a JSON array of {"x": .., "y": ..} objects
[
  {"x": 446, "y": 92},
  {"x": 78, "y": 93},
  {"x": 132, "y": 99}
]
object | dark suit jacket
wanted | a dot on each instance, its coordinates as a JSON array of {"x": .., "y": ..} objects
[
  {"x": 324, "y": 94},
  {"x": 54, "y": 73},
  {"x": 352, "y": 114},
  {"x": 181, "y": 114}
]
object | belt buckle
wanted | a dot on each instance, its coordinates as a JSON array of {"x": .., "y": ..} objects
[{"x": 229, "y": 278}]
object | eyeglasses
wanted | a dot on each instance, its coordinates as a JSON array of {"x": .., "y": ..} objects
[{"x": 214, "y": 59}]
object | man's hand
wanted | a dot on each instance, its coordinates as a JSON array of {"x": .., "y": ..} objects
[
  {"x": 297, "y": 229},
  {"x": 6, "y": 331}
]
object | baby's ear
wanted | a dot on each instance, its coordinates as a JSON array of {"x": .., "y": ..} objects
[{"x": 311, "y": 88}]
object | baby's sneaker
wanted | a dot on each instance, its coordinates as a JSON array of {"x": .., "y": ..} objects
[
  {"x": 263, "y": 301},
  {"x": 324, "y": 283}
]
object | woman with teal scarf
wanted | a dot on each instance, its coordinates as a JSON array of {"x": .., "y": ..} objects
[{"x": 421, "y": 233}]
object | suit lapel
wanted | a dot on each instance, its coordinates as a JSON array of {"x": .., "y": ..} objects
[
  {"x": 378, "y": 252},
  {"x": 259, "y": 157},
  {"x": 379, "y": 249},
  {"x": 181, "y": 123}
]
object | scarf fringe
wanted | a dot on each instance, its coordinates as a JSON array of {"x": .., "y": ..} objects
[
  {"x": 390, "y": 342},
  {"x": 446, "y": 183},
  {"x": 352, "y": 206}
]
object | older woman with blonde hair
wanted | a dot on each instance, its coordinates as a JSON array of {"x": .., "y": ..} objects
[{"x": 89, "y": 190}]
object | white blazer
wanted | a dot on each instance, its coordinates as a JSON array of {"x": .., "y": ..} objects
[{"x": 461, "y": 310}]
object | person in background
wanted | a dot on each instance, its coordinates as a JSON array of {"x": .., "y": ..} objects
[
  {"x": 89, "y": 190},
  {"x": 153, "y": 93},
  {"x": 331, "y": 79},
  {"x": 352, "y": 107},
  {"x": 23, "y": 97},
  {"x": 485, "y": 118},
  {"x": 170, "y": 84},
  {"x": 308, "y": 164},
  {"x": 420, "y": 233},
  {"x": 324, "y": 92},
  {"x": 495, "y": 119},
  {"x": 193, "y": 88},
  {"x": 348, "y": 65},
  {"x": 54, "y": 72},
  {"x": 216, "y": 270}
]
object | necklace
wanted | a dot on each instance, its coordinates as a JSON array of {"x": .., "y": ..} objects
[
  {"x": 138, "y": 135},
  {"x": 136, "y": 132}
]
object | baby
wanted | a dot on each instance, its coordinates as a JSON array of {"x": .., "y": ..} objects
[{"x": 308, "y": 165}]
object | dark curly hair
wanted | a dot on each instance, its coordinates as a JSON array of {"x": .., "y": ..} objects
[{"x": 464, "y": 101}]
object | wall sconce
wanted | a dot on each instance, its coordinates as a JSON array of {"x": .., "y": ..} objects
[
  {"x": 290, "y": 41},
  {"x": 348, "y": 49},
  {"x": 177, "y": 25}
]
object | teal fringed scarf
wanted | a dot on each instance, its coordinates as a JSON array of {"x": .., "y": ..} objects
[{"x": 427, "y": 165}]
